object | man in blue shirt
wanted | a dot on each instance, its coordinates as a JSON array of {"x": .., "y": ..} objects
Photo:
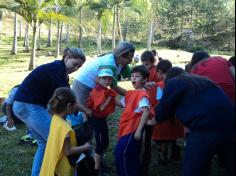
[{"x": 209, "y": 114}]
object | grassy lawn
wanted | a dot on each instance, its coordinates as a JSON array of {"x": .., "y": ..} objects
[{"x": 16, "y": 159}]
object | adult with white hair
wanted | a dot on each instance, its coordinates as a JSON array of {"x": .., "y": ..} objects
[{"x": 85, "y": 81}]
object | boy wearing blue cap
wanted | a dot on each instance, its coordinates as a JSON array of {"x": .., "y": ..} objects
[{"x": 102, "y": 103}]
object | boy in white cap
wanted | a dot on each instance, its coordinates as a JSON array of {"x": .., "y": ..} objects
[{"x": 102, "y": 104}]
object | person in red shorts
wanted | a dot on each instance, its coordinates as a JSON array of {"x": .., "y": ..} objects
[
  {"x": 102, "y": 103},
  {"x": 165, "y": 134},
  {"x": 217, "y": 69}
]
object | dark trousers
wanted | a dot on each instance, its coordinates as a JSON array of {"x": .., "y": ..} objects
[
  {"x": 100, "y": 128},
  {"x": 127, "y": 153},
  {"x": 146, "y": 157},
  {"x": 200, "y": 149}
]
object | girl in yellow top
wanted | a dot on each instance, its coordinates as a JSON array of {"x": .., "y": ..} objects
[{"x": 61, "y": 141}]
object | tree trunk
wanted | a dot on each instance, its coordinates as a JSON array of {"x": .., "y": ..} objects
[
  {"x": 150, "y": 35},
  {"x": 80, "y": 29},
  {"x": 1, "y": 16},
  {"x": 68, "y": 35},
  {"x": 118, "y": 22},
  {"x": 58, "y": 40},
  {"x": 33, "y": 52},
  {"x": 125, "y": 31},
  {"x": 26, "y": 41},
  {"x": 49, "y": 43},
  {"x": 20, "y": 29},
  {"x": 99, "y": 42},
  {"x": 14, "y": 45},
  {"x": 61, "y": 33},
  {"x": 114, "y": 29},
  {"x": 39, "y": 38},
  {"x": 182, "y": 16}
]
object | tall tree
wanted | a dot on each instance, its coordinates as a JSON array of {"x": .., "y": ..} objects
[
  {"x": 26, "y": 41},
  {"x": 49, "y": 41},
  {"x": 14, "y": 44},
  {"x": 32, "y": 11}
]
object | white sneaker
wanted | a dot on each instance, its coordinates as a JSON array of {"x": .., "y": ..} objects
[
  {"x": 3, "y": 119},
  {"x": 7, "y": 128}
]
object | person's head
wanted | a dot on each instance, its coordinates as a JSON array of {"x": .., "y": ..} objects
[
  {"x": 139, "y": 76},
  {"x": 232, "y": 60},
  {"x": 148, "y": 59},
  {"x": 174, "y": 71},
  {"x": 162, "y": 68},
  {"x": 74, "y": 58},
  {"x": 62, "y": 102},
  {"x": 154, "y": 52},
  {"x": 105, "y": 77},
  {"x": 188, "y": 67},
  {"x": 198, "y": 56},
  {"x": 124, "y": 53}
]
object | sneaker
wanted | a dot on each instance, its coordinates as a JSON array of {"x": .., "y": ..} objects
[
  {"x": 3, "y": 119},
  {"x": 13, "y": 128},
  {"x": 34, "y": 142},
  {"x": 27, "y": 139}
]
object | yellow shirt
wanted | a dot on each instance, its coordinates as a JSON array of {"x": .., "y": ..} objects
[{"x": 54, "y": 160}]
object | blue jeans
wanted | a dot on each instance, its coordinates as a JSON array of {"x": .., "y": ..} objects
[
  {"x": 38, "y": 120},
  {"x": 200, "y": 149}
]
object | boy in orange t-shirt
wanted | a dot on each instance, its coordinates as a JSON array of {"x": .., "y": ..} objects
[
  {"x": 102, "y": 103},
  {"x": 137, "y": 109}
]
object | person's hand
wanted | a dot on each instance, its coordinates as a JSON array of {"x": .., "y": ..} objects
[
  {"x": 149, "y": 85},
  {"x": 151, "y": 122},
  {"x": 88, "y": 112},
  {"x": 138, "y": 135},
  {"x": 10, "y": 123},
  {"x": 88, "y": 146}
]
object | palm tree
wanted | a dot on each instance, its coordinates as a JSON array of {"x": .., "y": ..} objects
[
  {"x": 26, "y": 41},
  {"x": 32, "y": 11},
  {"x": 14, "y": 45},
  {"x": 102, "y": 10},
  {"x": 1, "y": 16}
]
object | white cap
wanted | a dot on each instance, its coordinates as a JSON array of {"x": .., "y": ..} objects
[{"x": 105, "y": 72}]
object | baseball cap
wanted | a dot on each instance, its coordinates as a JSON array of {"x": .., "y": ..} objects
[{"x": 105, "y": 72}]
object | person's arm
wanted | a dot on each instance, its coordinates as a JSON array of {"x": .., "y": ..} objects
[
  {"x": 171, "y": 95},
  {"x": 143, "y": 121},
  {"x": 10, "y": 121},
  {"x": 82, "y": 108},
  {"x": 232, "y": 71},
  {"x": 118, "y": 102},
  {"x": 105, "y": 104},
  {"x": 119, "y": 90},
  {"x": 72, "y": 150}
]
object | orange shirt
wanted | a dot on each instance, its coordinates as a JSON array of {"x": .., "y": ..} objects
[
  {"x": 153, "y": 77},
  {"x": 97, "y": 97},
  {"x": 129, "y": 120}
]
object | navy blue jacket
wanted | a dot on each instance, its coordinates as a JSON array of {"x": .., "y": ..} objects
[
  {"x": 199, "y": 104},
  {"x": 39, "y": 85}
]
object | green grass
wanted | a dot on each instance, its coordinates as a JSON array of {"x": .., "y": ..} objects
[{"x": 15, "y": 159}]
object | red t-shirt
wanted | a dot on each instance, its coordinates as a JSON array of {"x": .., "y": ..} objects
[
  {"x": 97, "y": 97},
  {"x": 153, "y": 77},
  {"x": 217, "y": 69},
  {"x": 168, "y": 130}
]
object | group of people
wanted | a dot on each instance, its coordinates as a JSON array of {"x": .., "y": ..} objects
[{"x": 164, "y": 101}]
